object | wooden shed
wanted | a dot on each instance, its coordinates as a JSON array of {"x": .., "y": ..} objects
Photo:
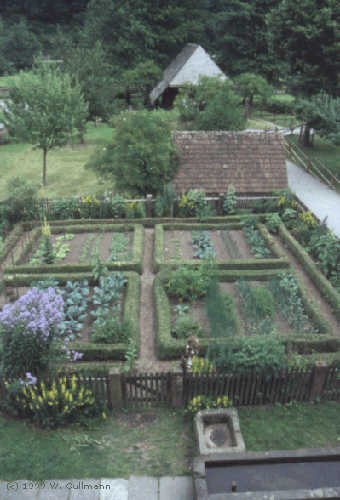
[{"x": 191, "y": 63}]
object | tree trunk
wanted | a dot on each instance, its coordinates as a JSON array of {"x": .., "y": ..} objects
[
  {"x": 305, "y": 136},
  {"x": 44, "y": 167}
]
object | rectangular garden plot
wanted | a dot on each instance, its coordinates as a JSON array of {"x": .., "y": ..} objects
[
  {"x": 99, "y": 320},
  {"x": 226, "y": 243},
  {"x": 256, "y": 305},
  {"x": 76, "y": 247}
]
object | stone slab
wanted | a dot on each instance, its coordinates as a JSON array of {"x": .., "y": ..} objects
[
  {"x": 83, "y": 489},
  {"x": 143, "y": 488},
  {"x": 179, "y": 488},
  {"x": 114, "y": 489}
]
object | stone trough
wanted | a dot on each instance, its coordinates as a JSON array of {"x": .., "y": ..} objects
[{"x": 218, "y": 431}]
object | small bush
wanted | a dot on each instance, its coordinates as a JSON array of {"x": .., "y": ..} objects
[
  {"x": 185, "y": 325},
  {"x": 28, "y": 329},
  {"x": 112, "y": 331},
  {"x": 187, "y": 284},
  {"x": 53, "y": 404},
  {"x": 273, "y": 222},
  {"x": 192, "y": 203},
  {"x": 202, "y": 402},
  {"x": 263, "y": 352},
  {"x": 230, "y": 200}
]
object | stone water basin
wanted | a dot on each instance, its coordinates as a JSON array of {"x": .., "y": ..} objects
[{"x": 218, "y": 431}]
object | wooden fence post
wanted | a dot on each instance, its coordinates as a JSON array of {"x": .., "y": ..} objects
[
  {"x": 115, "y": 389},
  {"x": 149, "y": 205},
  {"x": 319, "y": 374},
  {"x": 220, "y": 203},
  {"x": 176, "y": 398}
]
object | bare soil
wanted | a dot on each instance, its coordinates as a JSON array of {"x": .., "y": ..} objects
[
  {"x": 101, "y": 240},
  {"x": 178, "y": 245},
  {"x": 280, "y": 322}
]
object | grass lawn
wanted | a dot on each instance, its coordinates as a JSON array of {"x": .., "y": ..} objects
[
  {"x": 304, "y": 425},
  {"x": 323, "y": 151},
  {"x": 153, "y": 442},
  {"x": 157, "y": 442},
  {"x": 66, "y": 175},
  {"x": 282, "y": 120}
]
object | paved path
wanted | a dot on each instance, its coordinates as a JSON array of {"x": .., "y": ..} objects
[
  {"x": 135, "y": 488},
  {"x": 322, "y": 201}
]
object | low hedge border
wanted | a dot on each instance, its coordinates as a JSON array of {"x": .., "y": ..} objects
[
  {"x": 147, "y": 221},
  {"x": 21, "y": 254},
  {"x": 159, "y": 262},
  {"x": 326, "y": 289},
  {"x": 11, "y": 240},
  {"x": 92, "y": 228},
  {"x": 136, "y": 264},
  {"x": 169, "y": 348},
  {"x": 105, "y": 352},
  {"x": 310, "y": 343}
]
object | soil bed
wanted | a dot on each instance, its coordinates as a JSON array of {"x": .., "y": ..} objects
[{"x": 77, "y": 254}]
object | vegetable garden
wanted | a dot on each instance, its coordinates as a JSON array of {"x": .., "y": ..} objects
[{"x": 227, "y": 281}]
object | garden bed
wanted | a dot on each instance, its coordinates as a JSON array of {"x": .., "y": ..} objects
[
  {"x": 306, "y": 332},
  {"x": 93, "y": 299},
  {"x": 76, "y": 247},
  {"x": 177, "y": 244}
]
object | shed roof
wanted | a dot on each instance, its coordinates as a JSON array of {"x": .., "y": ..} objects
[
  {"x": 253, "y": 162},
  {"x": 188, "y": 66}
]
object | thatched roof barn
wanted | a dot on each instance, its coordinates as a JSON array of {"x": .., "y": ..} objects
[
  {"x": 191, "y": 63},
  {"x": 253, "y": 162}
]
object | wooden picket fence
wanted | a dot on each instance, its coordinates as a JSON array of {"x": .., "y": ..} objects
[
  {"x": 177, "y": 389},
  {"x": 248, "y": 389}
]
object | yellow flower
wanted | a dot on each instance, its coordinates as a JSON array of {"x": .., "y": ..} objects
[{"x": 104, "y": 415}]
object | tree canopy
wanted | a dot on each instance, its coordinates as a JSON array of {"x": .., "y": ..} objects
[
  {"x": 305, "y": 35},
  {"x": 141, "y": 158},
  {"x": 212, "y": 104},
  {"x": 45, "y": 108}
]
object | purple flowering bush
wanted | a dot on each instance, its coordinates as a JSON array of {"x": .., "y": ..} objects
[{"x": 29, "y": 327}]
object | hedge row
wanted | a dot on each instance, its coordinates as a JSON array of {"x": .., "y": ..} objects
[
  {"x": 146, "y": 221},
  {"x": 326, "y": 289},
  {"x": 92, "y": 228},
  {"x": 12, "y": 239},
  {"x": 307, "y": 344},
  {"x": 135, "y": 264},
  {"x": 159, "y": 262},
  {"x": 169, "y": 348},
  {"x": 22, "y": 253}
]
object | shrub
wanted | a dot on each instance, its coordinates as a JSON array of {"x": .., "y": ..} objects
[
  {"x": 118, "y": 206},
  {"x": 230, "y": 200},
  {"x": 112, "y": 331},
  {"x": 262, "y": 352},
  {"x": 280, "y": 103},
  {"x": 188, "y": 284},
  {"x": 185, "y": 325},
  {"x": 29, "y": 327},
  {"x": 192, "y": 203},
  {"x": 53, "y": 404},
  {"x": 165, "y": 201},
  {"x": 273, "y": 222}
]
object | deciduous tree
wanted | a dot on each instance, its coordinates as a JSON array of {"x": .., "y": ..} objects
[
  {"x": 141, "y": 158},
  {"x": 45, "y": 109}
]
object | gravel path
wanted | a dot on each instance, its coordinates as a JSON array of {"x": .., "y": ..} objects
[{"x": 322, "y": 201}]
